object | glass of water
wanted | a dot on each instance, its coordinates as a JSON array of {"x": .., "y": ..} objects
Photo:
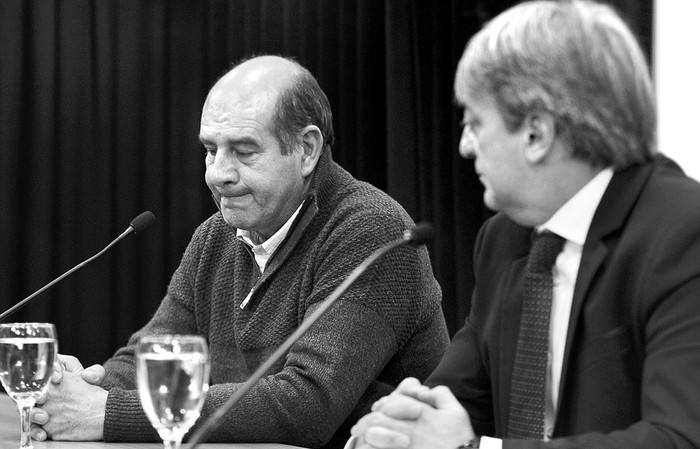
[
  {"x": 172, "y": 374},
  {"x": 27, "y": 353}
]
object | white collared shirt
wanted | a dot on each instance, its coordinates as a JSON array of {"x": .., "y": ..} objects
[
  {"x": 571, "y": 222},
  {"x": 264, "y": 250}
]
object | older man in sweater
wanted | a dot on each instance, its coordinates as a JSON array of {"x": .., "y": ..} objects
[{"x": 291, "y": 226}]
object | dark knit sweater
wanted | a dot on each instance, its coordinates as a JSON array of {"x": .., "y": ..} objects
[{"x": 388, "y": 326}]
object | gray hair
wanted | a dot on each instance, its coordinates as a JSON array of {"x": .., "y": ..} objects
[
  {"x": 301, "y": 104},
  {"x": 576, "y": 60}
]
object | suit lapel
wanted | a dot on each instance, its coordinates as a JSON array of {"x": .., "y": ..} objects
[{"x": 608, "y": 221}]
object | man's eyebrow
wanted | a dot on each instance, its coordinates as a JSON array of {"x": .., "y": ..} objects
[{"x": 246, "y": 140}]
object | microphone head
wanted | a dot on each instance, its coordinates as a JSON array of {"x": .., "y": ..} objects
[
  {"x": 419, "y": 234},
  {"x": 144, "y": 220}
]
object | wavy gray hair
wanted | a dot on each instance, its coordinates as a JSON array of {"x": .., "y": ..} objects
[{"x": 576, "y": 60}]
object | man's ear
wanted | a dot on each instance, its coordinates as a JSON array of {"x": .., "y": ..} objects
[
  {"x": 312, "y": 147},
  {"x": 539, "y": 132}
]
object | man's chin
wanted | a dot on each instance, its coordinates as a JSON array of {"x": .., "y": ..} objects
[
  {"x": 489, "y": 201},
  {"x": 233, "y": 218}
]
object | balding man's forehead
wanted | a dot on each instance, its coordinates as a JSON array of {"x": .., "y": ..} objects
[
  {"x": 223, "y": 98},
  {"x": 262, "y": 73}
]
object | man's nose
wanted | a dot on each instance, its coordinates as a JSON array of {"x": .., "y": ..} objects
[
  {"x": 467, "y": 144},
  {"x": 223, "y": 170}
]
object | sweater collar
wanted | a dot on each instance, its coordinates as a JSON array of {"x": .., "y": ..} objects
[{"x": 318, "y": 191}]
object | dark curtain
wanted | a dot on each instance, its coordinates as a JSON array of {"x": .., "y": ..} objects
[{"x": 99, "y": 115}]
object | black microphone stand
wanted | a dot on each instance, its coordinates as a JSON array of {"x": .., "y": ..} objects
[{"x": 137, "y": 225}]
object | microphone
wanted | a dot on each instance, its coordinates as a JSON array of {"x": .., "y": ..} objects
[
  {"x": 419, "y": 234},
  {"x": 138, "y": 224}
]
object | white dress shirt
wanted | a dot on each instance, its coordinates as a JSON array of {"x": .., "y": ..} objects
[{"x": 264, "y": 250}]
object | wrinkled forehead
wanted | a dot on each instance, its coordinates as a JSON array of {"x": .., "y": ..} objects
[
  {"x": 229, "y": 105},
  {"x": 249, "y": 91},
  {"x": 468, "y": 90}
]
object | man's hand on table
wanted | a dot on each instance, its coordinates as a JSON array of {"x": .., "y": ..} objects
[{"x": 73, "y": 407}]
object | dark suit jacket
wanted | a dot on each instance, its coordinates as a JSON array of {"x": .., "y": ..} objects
[{"x": 631, "y": 373}]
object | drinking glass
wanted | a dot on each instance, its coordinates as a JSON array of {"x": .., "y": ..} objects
[
  {"x": 172, "y": 374},
  {"x": 27, "y": 353}
]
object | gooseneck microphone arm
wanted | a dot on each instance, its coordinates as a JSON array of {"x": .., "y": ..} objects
[
  {"x": 137, "y": 225},
  {"x": 418, "y": 235}
]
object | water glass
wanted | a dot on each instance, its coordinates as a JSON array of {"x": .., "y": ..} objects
[
  {"x": 27, "y": 353},
  {"x": 172, "y": 374}
]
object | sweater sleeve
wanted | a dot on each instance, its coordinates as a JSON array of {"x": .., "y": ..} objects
[
  {"x": 125, "y": 419},
  {"x": 324, "y": 375}
]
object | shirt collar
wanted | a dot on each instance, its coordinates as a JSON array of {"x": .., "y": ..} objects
[
  {"x": 270, "y": 245},
  {"x": 574, "y": 218}
]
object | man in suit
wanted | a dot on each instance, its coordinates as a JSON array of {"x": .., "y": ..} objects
[{"x": 559, "y": 115}]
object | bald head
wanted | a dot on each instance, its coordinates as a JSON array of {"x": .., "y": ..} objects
[
  {"x": 254, "y": 84},
  {"x": 279, "y": 91},
  {"x": 264, "y": 75}
]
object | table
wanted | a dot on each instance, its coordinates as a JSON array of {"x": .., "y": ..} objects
[{"x": 9, "y": 436}]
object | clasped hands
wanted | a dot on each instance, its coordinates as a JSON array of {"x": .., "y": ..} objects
[
  {"x": 73, "y": 407},
  {"x": 414, "y": 417}
]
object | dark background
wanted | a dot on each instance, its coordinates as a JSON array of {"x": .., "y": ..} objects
[{"x": 99, "y": 114}]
